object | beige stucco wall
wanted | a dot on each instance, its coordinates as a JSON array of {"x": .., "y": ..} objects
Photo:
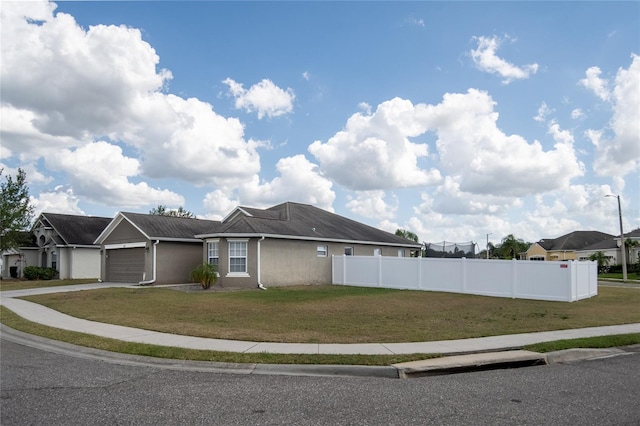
[
  {"x": 84, "y": 263},
  {"x": 175, "y": 261},
  {"x": 561, "y": 255},
  {"x": 289, "y": 262},
  {"x": 536, "y": 250}
]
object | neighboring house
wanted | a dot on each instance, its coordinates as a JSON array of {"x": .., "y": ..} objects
[
  {"x": 291, "y": 244},
  {"x": 66, "y": 243},
  {"x": 151, "y": 249},
  {"x": 566, "y": 246},
  {"x": 608, "y": 247},
  {"x": 14, "y": 260},
  {"x": 634, "y": 249}
]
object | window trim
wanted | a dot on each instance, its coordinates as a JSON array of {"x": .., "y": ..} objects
[
  {"x": 244, "y": 273},
  {"x": 322, "y": 250},
  {"x": 217, "y": 252}
]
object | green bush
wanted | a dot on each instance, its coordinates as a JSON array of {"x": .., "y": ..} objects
[
  {"x": 205, "y": 274},
  {"x": 37, "y": 273}
]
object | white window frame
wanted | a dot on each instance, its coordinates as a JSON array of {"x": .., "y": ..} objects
[
  {"x": 234, "y": 255},
  {"x": 213, "y": 252},
  {"x": 322, "y": 250},
  {"x": 400, "y": 252},
  {"x": 377, "y": 251}
]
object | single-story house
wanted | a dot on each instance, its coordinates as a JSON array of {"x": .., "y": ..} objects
[
  {"x": 14, "y": 260},
  {"x": 608, "y": 247},
  {"x": 291, "y": 244},
  {"x": 565, "y": 246},
  {"x": 66, "y": 243},
  {"x": 151, "y": 249}
]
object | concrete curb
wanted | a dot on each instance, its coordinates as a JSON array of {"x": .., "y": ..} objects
[{"x": 317, "y": 370}]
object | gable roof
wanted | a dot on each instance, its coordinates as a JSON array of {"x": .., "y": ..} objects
[
  {"x": 73, "y": 229},
  {"x": 576, "y": 240},
  {"x": 302, "y": 221},
  {"x": 160, "y": 227}
]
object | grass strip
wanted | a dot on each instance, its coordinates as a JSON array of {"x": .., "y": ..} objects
[
  {"x": 11, "y": 319},
  {"x": 599, "y": 342},
  {"x": 7, "y": 285}
]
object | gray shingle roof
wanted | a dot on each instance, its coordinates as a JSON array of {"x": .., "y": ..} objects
[
  {"x": 576, "y": 240},
  {"x": 75, "y": 230},
  {"x": 170, "y": 227},
  {"x": 303, "y": 221}
]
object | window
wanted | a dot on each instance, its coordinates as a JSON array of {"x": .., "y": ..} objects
[
  {"x": 321, "y": 251},
  {"x": 237, "y": 257},
  {"x": 213, "y": 253},
  {"x": 54, "y": 260},
  {"x": 400, "y": 252},
  {"x": 377, "y": 252},
  {"x": 348, "y": 251}
]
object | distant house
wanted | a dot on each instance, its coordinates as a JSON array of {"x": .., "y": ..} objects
[
  {"x": 66, "y": 243},
  {"x": 566, "y": 246},
  {"x": 291, "y": 244},
  {"x": 14, "y": 260},
  {"x": 151, "y": 249}
]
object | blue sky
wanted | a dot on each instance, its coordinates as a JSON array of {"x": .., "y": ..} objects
[{"x": 449, "y": 119}]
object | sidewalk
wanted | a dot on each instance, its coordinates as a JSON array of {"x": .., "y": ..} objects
[{"x": 42, "y": 315}]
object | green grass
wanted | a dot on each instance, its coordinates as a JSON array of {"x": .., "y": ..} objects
[
  {"x": 590, "y": 342},
  {"x": 6, "y": 285},
  {"x": 337, "y": 314},
  {"x": 618, "y": 276}
]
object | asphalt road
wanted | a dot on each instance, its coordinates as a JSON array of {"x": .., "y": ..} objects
[{"x": 43, "y": 387}]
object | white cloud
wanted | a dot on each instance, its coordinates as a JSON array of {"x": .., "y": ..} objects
[
  {"x": 299, "y": 181},
  {"x": 543, "y": 112},
  {"x": 374, "y": 152},
  {"x": 372, "y": 204},
  {"x": 596, "y": 84},
  {"x": 264, "y": 97},
  {"x": 99, "y": 172},
  {"x": 60, "y": 200},
  {"x": 103, "y": 84},
  {"x": 620, "y": 154},
  {"x": 196, "y": 144},
  {"x": 577, "y": 114},
  {"x": 488, "y": 161},
  {"x": 486, "y": 59}
]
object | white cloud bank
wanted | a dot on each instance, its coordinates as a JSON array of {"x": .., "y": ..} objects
[{"x": 98, "y": 89}]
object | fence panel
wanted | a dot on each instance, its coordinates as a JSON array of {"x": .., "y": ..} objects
[{"x": 555, "y": 281}]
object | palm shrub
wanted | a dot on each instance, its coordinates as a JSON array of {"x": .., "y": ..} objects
[{"x": 205, "y": 274}]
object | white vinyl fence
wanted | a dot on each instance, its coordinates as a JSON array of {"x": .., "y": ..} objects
[{"x": 518, "y": 279}]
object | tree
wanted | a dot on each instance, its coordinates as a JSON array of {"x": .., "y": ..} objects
[
  {"x": 407, "y": 234},
  {"x": 16, "y": 211},
  {"x": 164, "y": 211},
  {"x": 629, "y": 245},
  {"x": 603, "y": 261},
  {"x": 511, "y": 246}
]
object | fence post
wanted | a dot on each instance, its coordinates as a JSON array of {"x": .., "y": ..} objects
[
  {"x": 379, "y": 270},
  {"x": 464, "y": 274},
  {"x": 344, "y": 269},
  {"x": 514, "y": 279}
]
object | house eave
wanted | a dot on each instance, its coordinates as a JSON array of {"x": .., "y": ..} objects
[{"x": 305, "y": 238}]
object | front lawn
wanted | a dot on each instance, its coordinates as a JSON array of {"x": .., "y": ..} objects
[{"x": 337, "y": 314}]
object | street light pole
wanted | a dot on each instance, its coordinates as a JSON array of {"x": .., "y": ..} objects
[
  {"x": 488, "y": 245},
  {"x": 622, "y": 247}
]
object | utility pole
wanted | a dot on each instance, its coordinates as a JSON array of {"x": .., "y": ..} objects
[{"x": 622, "y": 246}]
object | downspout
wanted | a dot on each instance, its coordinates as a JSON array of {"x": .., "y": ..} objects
[
  {"x": 260, "y": 286},
  {"x": 153, "y": 267}
]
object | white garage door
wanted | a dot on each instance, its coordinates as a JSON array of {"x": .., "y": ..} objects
[{"x": 125, "y": 265}]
